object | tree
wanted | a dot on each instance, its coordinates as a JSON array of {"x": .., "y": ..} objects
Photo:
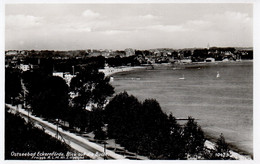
[
  {"x": 176, "y": 144},
  {"x": 23, "y": 137},
  {"x": 33, "y": 82},
  {"x": 221, "y": 151},
  {"x": 52, "y": 99},
  {"x": 140, "y": 127},
  {"x": 146, "y": 129},
  {"x": 13, "y": 86},
  {"x": 222, "y": 148},
  {"x": 121, "y": 115},
  {"x": 90, "y": 86},
  {"x": 96, "y": 123},
  {"x": 199, "y": 55},
  {"x": 193, "y": 137},
  {"x": 156, "y": 126},
  {"x": 101, "y": 91}
]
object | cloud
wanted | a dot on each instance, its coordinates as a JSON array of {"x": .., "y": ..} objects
[
  {"x": 107, "y": 26},
  {"x": 197, "y": 25},
  {"x": 23, "y": 21},
  {"x": 230, "y": 21},
  {"x": 148, "y": 16},
  {"x": 113, "y": 32},
  {"x": 226, "y": 22},
  {"x": 166, "y": 28},
  {"x": 90, "y": 14},
  {"x": 237, "y": 16},
  {"x": 77, "y": 29}
]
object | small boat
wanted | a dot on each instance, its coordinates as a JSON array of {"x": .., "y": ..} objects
[
  {"x": 218, "y": 75},
  {"x": 182, "y": 78}
]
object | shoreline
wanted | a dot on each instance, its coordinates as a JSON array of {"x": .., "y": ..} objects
[
  {"x": 108, "y": 71},
  {"x": 236, "y": 153},
  {"x": 195, "y": 64}
]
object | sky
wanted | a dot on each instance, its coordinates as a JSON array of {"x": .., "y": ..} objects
[{"x": 121, "y": 26}]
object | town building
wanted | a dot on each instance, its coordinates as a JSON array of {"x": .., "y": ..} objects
[
  {"x": 24, "y": 67},
  {"x": 65, "y": 75},
  {"x": 209, "y": 60}
]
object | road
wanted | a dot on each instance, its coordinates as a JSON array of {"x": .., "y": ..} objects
[{"x": 78, "y": 143}]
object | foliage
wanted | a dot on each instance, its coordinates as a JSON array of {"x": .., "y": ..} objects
[
  {"x": 176, "y": 142},
  {"x": 47, "y": 95},
  {"x": 52, "y": 100},
  {"x": 199, "y": 55},
  {"x": 193, "y": 137},
  {"x": 143, "y": 127},
  {"x": 122, "y": 61},
  {"x": 22, "y": 137},
  {"x": 97, "y": 123},
  {"x": 222, "y": 148},
  {"x": 120, "y": 111},
  {"x": 33, "y": 82},
  {"x": 90, "y": 86},
  {"x": 13, "y": 86}
]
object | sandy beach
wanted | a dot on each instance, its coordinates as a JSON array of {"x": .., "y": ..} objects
[{"x": 108, "y": 71}]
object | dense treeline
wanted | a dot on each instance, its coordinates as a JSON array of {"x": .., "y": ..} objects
[
  {"x": 50, "y": 64},
  {"x": 51, "y": 99},
  {"x": 142, "y": 127},
  {"x": 122, "y": 61},
  {"x": 50, "y": 96},
  {"x": 21, "y": 137},
  {"x": 91, "y": 88}
]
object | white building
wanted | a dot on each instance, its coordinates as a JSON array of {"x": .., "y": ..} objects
[
  {"x": 212, "y": 60},
  {"x": 66, "y": 76},
  {"x": 60, "y": 74},
  {"x": 186, "y": 61},
  {"x": 129, "y": 52},
  {"x": 24, "y": 67},
  {"x": 11, "y": 52}
]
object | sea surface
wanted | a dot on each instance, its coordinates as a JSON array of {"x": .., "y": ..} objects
[{"x": 222, "y": 104}]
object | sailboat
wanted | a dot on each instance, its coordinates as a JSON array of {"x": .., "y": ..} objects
[
  {"x": 218, "y": 75},
  {"x": 182, "y": 78},
  {"x": 111, "y": 78}
]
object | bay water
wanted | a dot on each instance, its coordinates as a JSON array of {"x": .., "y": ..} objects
[{"x": 218, "y": 95}]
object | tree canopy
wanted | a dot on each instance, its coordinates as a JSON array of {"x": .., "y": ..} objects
[
  {"x": 143, "y": 127},
  {"x": 52, "y": 100},
  {"x": 90, "y": 86},
  {"x": 13, "y": 86}
]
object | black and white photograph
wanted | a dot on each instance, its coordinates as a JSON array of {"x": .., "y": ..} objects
[{"x": 122, "y": 80}]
